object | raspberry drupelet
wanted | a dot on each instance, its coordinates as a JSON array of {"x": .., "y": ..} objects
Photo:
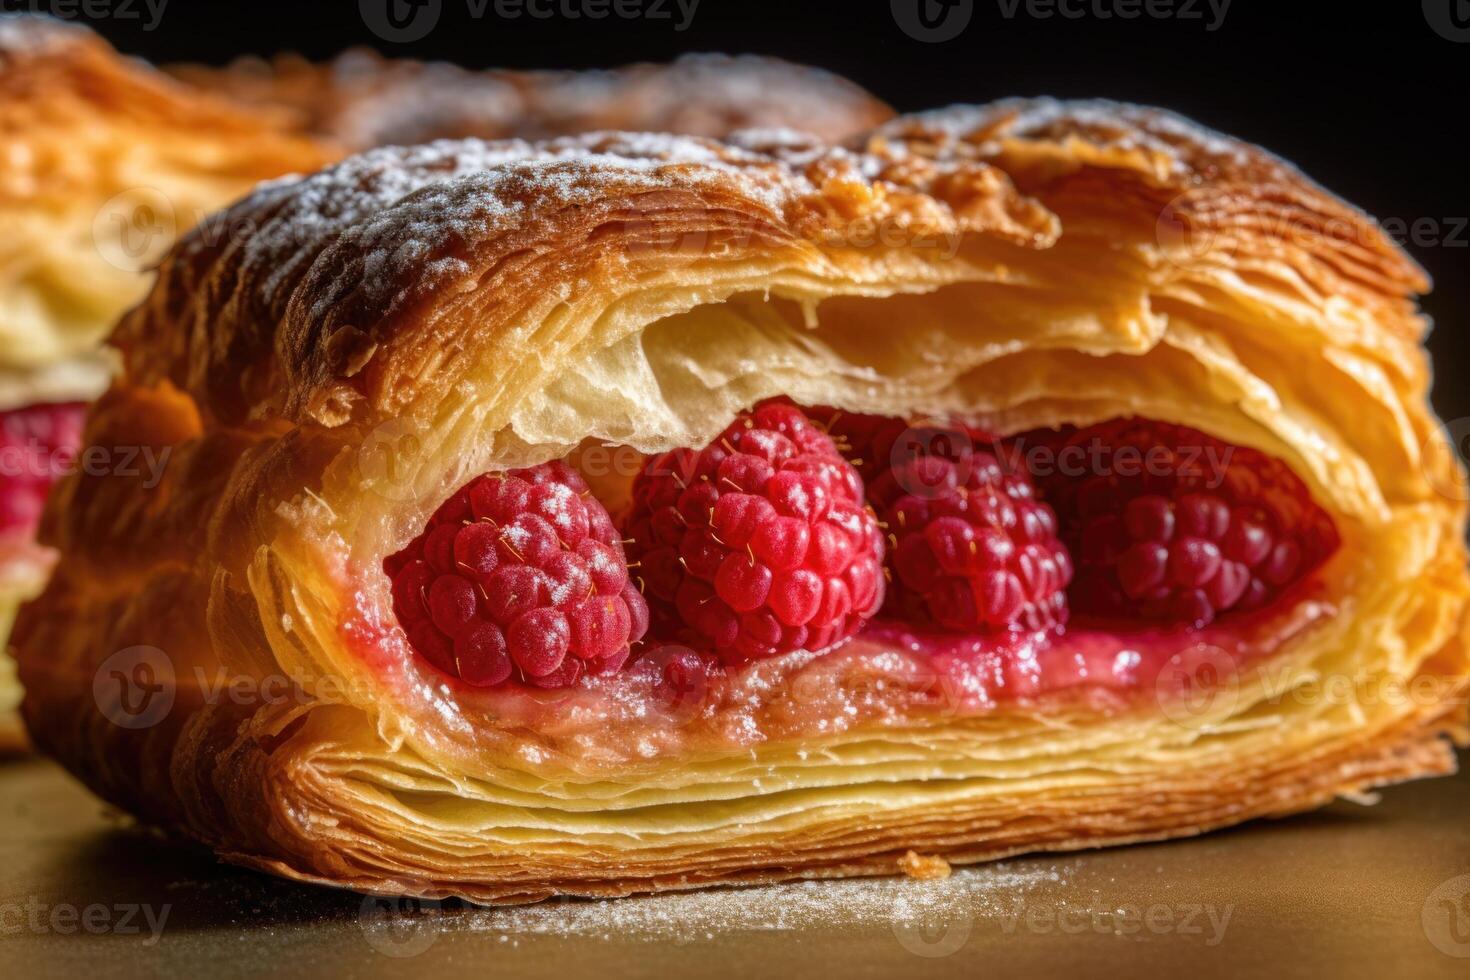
[
  {"x": 973, "y": 550},
  {"x": 761, "y": 543},
  {"x": 1169, "y": 525},
  {"x": 519, "y": 575}
]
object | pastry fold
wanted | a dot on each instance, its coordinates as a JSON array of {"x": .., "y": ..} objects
[{"x": 410, "y": 318}]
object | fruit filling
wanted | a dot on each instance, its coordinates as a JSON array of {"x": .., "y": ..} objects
[
  {"x": 1042, "y": 560},
  {"x": 519, "y": 574},
  {"x": 761, "y": 543},
  {"x": 1168, "y": 525},
  {"x": 972, "y": 548},
  {"x": 38, "y": 445}
]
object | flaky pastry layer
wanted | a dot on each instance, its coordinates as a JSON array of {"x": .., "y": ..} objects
[{"x": 413, "y": 317}]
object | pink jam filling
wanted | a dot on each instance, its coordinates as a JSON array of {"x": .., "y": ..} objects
[{"x": 889, "y": 675}]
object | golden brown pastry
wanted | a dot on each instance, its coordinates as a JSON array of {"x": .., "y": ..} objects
[
  {"x": 94, "y": 143},
  {"x": 105, "y": 163},
  {"x": 362, "y": 99},
  {"x": 109, "y": 160},
  {"x": 373, "y": 593}
]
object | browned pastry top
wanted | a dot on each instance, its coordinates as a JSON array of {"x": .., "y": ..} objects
[{"x": 334, "y": 306}]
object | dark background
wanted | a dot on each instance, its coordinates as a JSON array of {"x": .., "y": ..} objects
[{"x": 1368, "y": 98}]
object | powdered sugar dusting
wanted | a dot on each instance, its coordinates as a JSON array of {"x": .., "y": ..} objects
[
  {"x": 394, "y": 209},
  {"x": 986, "y": 891},
  {"x": 31, "y": 34}
]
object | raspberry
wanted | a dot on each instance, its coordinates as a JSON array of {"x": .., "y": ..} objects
[
  {"x": 973, "y": 549},
  {"x": 519, "y": 574},
  {"x": 1173, "y": 526},
  {"x": 760, "y": 544},
  {"x": 874, "y": 444},
  {"x": 37, "y": 444}
]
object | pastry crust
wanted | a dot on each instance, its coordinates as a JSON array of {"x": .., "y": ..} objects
[
  {"x": 362, "y": 99},
  {"x": 469, "y": 306}
]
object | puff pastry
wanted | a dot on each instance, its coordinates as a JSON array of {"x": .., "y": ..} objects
[
  {"x": 362, "y": 99},
  {"x": 106, "y": 161},
  {"x": 412, "y": 318},
  {"x": 109, "y": 160}
]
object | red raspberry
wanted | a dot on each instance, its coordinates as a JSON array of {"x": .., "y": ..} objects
[
  {"x": 519, "y": 574},
  {"x": 875, "y": 444},
  {"x": 760, "y": 543},
  {"x": 38, "y": 444},
  {"x": 973, "y": 549},
  {"x": 1171, "y": 525}
]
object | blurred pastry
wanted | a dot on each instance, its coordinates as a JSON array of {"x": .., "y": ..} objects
[{"x": 362, "y": 99}]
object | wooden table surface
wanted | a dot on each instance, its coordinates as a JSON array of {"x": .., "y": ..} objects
[{"x": 1349, "y": 891}]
